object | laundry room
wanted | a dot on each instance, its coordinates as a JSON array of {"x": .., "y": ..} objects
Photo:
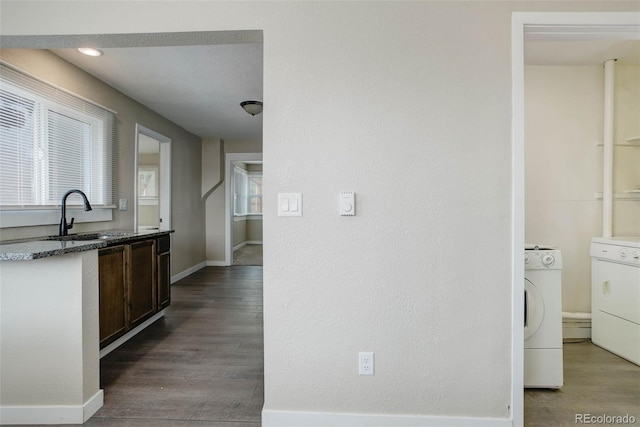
[{"x": 577, "y": 185}]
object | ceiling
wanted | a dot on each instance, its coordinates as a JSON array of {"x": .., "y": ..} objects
[{"x": 198, "y": 87}]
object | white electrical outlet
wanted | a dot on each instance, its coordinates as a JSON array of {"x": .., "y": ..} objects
[{"x": 365, "y": 363}]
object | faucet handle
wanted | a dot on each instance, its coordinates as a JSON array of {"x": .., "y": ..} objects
[{"x": 70, "y": 226}]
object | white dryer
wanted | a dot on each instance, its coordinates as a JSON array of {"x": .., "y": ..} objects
[{"x": 542, "y": 317}]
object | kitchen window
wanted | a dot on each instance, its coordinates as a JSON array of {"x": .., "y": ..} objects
[
  {"x": 51, "y": 141},
  {"x": 247, "y": 192}
]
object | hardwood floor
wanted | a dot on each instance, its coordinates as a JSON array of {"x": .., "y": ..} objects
[
  {"x": 202, "y": 365},
  {"x": 596, "y": 382}
]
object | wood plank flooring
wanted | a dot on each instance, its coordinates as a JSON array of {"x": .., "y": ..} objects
[{"x": 202, "y": 365}]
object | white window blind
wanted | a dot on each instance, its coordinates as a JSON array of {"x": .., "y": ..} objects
[{"x": 50, "y": 142}]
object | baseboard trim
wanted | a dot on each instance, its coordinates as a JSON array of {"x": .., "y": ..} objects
[
  {"x": 188, "y": 271},
  {"x": 126, "y": 337},
  {"x": 272, "y": 418},
  {"x": 216, "y": 264},
  {"x": 52, "y": 414},
  {"x": 576, "y": 326}
]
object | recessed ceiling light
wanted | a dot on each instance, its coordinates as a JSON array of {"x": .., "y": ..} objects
[{"x": 90, "y": 51}]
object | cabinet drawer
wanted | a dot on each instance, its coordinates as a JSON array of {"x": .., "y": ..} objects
[{"x": 164, "y": 244}]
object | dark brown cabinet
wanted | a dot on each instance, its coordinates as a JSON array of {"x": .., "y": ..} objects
[
  {"x": 113, "y": 288},
  {"x": 163, "y": 290},
  {"x": 134, "y": 283},
  {"x": 142, "y": 281}
]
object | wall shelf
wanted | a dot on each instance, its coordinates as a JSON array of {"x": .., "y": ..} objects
[{"x": 627, "y": 195}]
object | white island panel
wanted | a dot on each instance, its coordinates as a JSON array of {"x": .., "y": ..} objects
[{"x": 49, "y": 349}]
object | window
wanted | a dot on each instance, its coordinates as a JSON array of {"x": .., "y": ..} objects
[
  {"x": 51, "y": 142},
  {"x": 247, "y": 192}
]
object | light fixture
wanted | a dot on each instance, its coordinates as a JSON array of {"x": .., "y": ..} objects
[
  {"x": 252, "y": 107},
  {"x": 89, "y": 51}
]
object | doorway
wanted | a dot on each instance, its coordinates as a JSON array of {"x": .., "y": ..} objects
[
  {"x": 234, "y": 214},
  {"x": 529, "y": 27},
  {"x": 153, "y": 180}
]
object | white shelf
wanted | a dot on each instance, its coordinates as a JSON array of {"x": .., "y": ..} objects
[{"x": 627, "y": 195}]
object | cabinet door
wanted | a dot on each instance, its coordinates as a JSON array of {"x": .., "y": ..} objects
[
  {"x": 113, "y": 307},
  {"x": 164, "y": 280},
  {"x": 142, "y": 267}
]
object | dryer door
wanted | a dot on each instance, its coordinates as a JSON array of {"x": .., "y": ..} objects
[{"x": 533, "y": 309}]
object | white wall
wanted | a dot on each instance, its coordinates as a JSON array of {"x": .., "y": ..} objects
[
  {"x": 409, "y": 105},
  {"x": 563, "y": 170}
]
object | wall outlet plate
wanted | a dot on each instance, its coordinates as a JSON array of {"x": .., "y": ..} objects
[{"x": 366, "y": 363}]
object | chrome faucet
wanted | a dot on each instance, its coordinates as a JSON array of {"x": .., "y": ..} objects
[{"x": 64, "y": 227}]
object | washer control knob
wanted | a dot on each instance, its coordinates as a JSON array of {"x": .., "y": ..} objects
[
  {"x": 635, "y": 254},
  {"x": 548, "y": 260},
  {"x": 623, "y": 253}
]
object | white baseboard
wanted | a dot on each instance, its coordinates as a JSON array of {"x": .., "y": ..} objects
[
  {"x": 576, "y": 325},
  {"x": 272, "y": 418},
  {"x": 52, "y": 414},
  {"x": 216, "y": 264},
  {"x": 126, "y": 337},
  {"x": 188, "y": 271},
  {"x": 248, "y": 242},
  {"x": 576, "y": 329}
]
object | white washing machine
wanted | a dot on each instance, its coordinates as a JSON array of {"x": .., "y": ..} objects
[{"x": 542, "y": 317}]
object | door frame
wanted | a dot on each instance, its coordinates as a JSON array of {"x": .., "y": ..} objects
[
  {"x": 164, "y": 177},
  {"x": 230, "y": 158},
  {"x": 541, "y": 25}
]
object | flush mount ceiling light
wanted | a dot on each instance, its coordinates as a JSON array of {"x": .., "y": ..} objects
[
  {"x": 252, "y": 107},
  {"x": 89, "y": 51}
]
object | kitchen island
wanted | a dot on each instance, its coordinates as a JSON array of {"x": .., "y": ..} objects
[{"x": 50, "y": 326}]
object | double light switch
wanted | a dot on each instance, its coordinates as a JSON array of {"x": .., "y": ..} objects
[{"x": 289, "y": 204}]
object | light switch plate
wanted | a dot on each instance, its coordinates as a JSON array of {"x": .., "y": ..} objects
[
  {"x": 289, "y": 204},
  {"x": 122, "y": 204}
]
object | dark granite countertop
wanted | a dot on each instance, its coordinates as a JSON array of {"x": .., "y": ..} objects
[{"x": 48, "y": 246}]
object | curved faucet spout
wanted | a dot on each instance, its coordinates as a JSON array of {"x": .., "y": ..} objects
[{"x": 64, "y": 227}]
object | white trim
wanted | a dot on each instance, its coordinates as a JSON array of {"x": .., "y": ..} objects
[
  {"x": 188, "y": 271},
  {"x": 52, "y": 414},
  {"x": 517, "y": 219},
  {"x": 214, "y": 263},
  {"x": 228, "y": 199},
  {"x": 271, "y": 418},
  {"x": 126, "y": 337},
  {"x": 253, "y": 242},
  {"x": 33, "y": 217},
  {"x": 239, "y": 246},
  {"x": 537, "y": 26},
  {"x": 164, "y": 177}
]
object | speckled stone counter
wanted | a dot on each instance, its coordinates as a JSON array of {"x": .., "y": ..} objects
[
  {"x": 24, "y": 251},
  {"x": 48, "y": 246}
]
